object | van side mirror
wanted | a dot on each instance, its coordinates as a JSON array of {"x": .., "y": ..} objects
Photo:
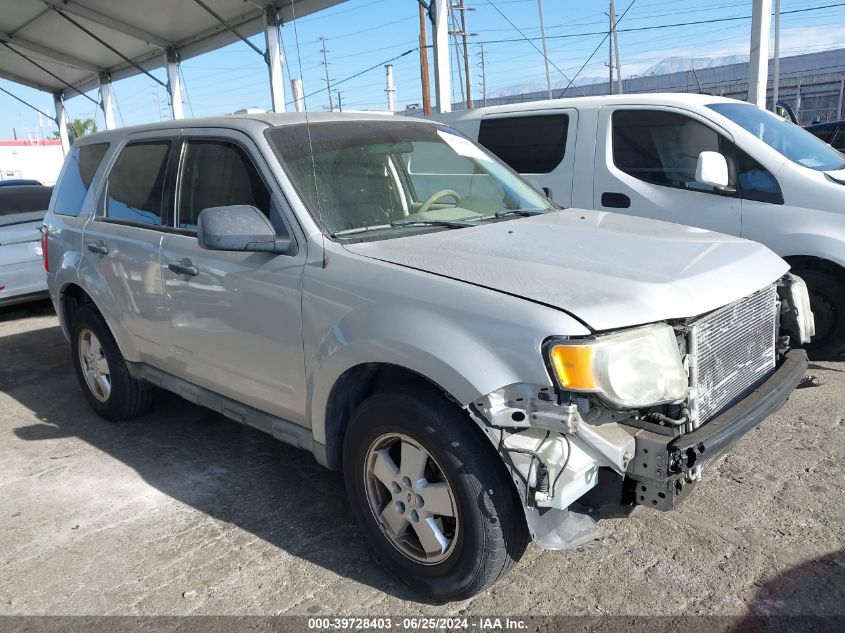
[
  {"x": 240, "y": 228},
  {"x": 712, "y": 170},
  {"x": 548, "y": 192}
]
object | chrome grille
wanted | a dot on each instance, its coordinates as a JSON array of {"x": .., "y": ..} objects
[{"x": 731, "y": 350}]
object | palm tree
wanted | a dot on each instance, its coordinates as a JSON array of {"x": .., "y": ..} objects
[{"x": 79, "y": 128}]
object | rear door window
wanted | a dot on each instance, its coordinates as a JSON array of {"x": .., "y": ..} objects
[
  {"x": 528, "y": 144},
  {"x": 217, "y": 173},
  {"x": 136, "y": 185},
  {"x": 82, "y": 164}
]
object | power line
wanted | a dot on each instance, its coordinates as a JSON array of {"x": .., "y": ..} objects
[
  {"x": 656, "y": 26},
  {"x": 527, "y": 39},
  {"x": 185, "y": 85},
  {"x": 29, "y": 105},
  {"x": 366, "y": 70},
  {"x": 606, "y": 35}
]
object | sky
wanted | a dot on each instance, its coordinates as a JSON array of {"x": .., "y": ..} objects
[{"x": 364, "y": 34}]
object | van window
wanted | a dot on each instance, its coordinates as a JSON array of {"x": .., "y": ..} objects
[
  {"x": 662, "y": 147},
  {"x": 529, "y": 144},
  {"x": 215, "y": 174},
  {"x": 792, "y": 141},
  {"x": 136, "y": 184},
  {"x": 755, "y": 181},
  {"x": 837, "y": 141},
  {"x": 82, "y": 164}
]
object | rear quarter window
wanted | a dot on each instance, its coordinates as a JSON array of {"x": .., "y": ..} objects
[
  {"x": 82, "y": 164},
  {"x": 528, "y": 144}
]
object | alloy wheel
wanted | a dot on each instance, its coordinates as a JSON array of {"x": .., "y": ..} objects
[
  {"x": 95, "y": 367},
  {"x": 410, "y": 499}
]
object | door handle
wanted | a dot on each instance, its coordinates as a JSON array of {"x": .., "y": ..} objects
[
  {"x": 184, "y": 267},
  {"x": 98, "y": 247},
  {"x": 615, "y": 200}
]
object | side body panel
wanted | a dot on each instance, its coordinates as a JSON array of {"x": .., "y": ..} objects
[
  {"x": 466, "y": 339},
  {"x": 236, "y": 327}
]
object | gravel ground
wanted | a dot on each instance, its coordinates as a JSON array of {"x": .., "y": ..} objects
[{"x": 184, "y": 512}]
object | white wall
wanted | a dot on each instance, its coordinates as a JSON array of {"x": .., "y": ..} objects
[{"x": 19, "y": 159}]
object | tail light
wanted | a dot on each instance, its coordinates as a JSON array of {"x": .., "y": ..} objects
[{"x": 44, "y": 255}]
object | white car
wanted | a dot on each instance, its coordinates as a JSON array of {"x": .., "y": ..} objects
[
  {"x": 22, "y": 210},
  {"x": 699, "y": 160}
]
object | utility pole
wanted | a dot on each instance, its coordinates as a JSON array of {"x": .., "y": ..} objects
[
  {"x": 609, "y": 53},
  {"x": 426, "y": 88},
  {"x": 328, "y": 81},
  {"x": 545, "y": 50},
  {"x": 615, "y": 33},
  {"x": 483, "y": 76},
  {"x": 758, "y": 63},
  {"x": 454, "y": 34},
  {"x": 462, "y": 9},
  {"x": 339, "y": 102},
  {"x": 776, "y": 69},
  {"x": 158, "y": 102}
]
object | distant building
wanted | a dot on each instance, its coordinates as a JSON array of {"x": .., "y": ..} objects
[
  {"x": 812, "y": 84},
  {"x": 39, "y": 159}
]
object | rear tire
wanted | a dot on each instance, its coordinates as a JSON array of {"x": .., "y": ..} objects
[
  {"x": 827, "y": 300},
  {"x": 475, "y": 515},
  {"x": 102, "y": 371}
]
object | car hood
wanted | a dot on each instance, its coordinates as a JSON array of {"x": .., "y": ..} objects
[{"x": 606, "y": 269}]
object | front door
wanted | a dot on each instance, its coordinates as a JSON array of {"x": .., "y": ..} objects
[
  {"x": 236, "y": 324},
  {"x": 645, "y": 165}
]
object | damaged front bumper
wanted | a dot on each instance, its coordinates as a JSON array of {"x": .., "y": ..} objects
[
  {"x": 571, "y": 471},
  {"x": 665, "y": 469}
]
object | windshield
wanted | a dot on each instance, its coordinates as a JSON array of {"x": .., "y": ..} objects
[
  {"x": 388, "y": 178},
  {"x": 792, "y": 141}
]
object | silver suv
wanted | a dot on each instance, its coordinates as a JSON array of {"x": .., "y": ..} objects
[{"x": 483, "y": 366}]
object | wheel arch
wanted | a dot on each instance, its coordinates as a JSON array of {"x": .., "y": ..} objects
[
  {"x": 73, "y": 296},
  {"x": 355, "y": 385},
  {"x": 797, "y": 262}
]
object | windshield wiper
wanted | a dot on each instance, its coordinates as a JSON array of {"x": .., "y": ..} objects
[
  {"x": 361, "y": 229},
  {"x": 523, "y": 212},
  {"x": 452, "y": 224}
]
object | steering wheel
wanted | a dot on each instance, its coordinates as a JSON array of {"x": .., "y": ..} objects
[{"x": 436, "y": 196}]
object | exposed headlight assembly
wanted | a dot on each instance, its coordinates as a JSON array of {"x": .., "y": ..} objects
[{"x": 632, "y": 369}]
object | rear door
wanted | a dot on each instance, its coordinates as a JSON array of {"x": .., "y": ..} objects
[
  {"x": 235, "y": 325},
  {"x": 645, "y": 165},
  {"x": 121, "y": 246}
]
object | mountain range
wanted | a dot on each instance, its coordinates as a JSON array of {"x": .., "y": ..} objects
[{"x": 665, "y": 66}]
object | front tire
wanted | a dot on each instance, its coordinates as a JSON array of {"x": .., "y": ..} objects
[
  {"x": 431, "y": 495},
  {"x": 827, "y": 301},
  {"x": 101, "y": 369}
]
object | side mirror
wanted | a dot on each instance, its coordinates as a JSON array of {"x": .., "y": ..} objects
[
  {"x": 548, "y": 192},
  {"x": 239, "y": 228},
  {"x": 712, "y": 170}
]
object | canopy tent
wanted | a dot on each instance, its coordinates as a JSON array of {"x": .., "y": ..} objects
[{"x": 69, "y": 47}]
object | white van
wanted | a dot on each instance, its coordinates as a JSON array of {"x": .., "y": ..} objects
[{"x": 700, "y": 160}]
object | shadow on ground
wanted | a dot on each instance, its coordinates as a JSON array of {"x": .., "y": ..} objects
[
  {"x": 228, "y": 471},
  {"x": 815, "y": 587}
]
